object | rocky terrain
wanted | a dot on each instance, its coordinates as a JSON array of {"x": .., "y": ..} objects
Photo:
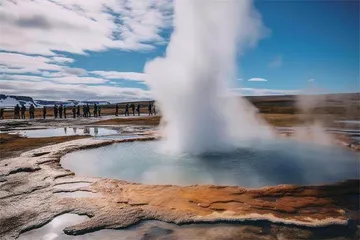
[{"x": 31, "y": 194}]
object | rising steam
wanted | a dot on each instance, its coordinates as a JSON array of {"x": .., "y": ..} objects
[{"x": 191, "y": 82}]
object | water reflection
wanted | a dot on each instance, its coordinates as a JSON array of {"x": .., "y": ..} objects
[
  {"x": 285, "y": 162},
  {"x": 68, "y": 131},
  {"x": 161, "y": 230}
]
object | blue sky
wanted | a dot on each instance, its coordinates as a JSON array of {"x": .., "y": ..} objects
[{"x": 97, "y": 49}]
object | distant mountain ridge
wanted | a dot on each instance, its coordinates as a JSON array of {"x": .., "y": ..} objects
[{"x": 8, "y": 101}]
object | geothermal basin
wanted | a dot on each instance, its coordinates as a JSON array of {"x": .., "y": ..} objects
[{"x": 256, "y": 164}]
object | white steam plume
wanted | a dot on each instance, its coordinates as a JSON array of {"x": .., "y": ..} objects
[{"x": 191, "y": 82}]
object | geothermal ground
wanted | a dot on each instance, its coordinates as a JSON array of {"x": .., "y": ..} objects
[{"x": 35, "y": 189}]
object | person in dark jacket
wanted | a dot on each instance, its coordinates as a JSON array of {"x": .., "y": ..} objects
[
  {"x": 127, "y": 109},
  {"x": 64, "y": 111},
  {"x": 1, "y": 113},
  {"x": 117, "y": 110},
  {"x": 44, "y": 112},
  {"x": 55, "y": 111},
  {"x": 95, "y": 110},
  {"x": 88, "y": 110},
  {"x": 74, "y": 111},
  {"x": 17, "y": 112},
  {"x": 133, "y": 109},
  {"x": 138, "y": 109},
  {"x": 78, "y": 111},
  {"x": 32, "y": 111},
  {"x": 23, "y": 110},
  {"x": 150, "y": 109},
  {"x": 154, "y": 109},
  {"x": 60, "y": 110}
]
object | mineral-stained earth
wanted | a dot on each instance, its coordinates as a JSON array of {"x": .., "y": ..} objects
[{"x": 33, "y": 190}]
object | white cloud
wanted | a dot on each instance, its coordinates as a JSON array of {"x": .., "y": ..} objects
[
  {"x": 276, "y": 62},
  {"x": 62, "y": 59},
  {"x": 311, "y": 80},
  {"x": 76, "y": 26},
  {"x": 239, "y": 79},
  {"x": 20, "y": 63},
  {"x": 55, "y": 91},
  {"x": 120, "y": 75},
  {"x": 70, "y": 79},
  {"x": 257, "y": 80},
  {"x": 263, "y": 91}
]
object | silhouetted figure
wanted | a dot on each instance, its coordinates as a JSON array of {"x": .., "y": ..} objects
[
  {"x": 95, "y": 110},
  {"x": 61, "y": 111},
  {"x": 150, "y": 109},
  {"x": 154, "y": 109},
  {"x": 84, "y": 110},
  {"x": 127, "y": 109},
  {"x": 44, "y": 112},
  {"x": 78, "y": 111},
  {"x": 23, "y": 110},
  {"x": 138, "y": 109},
  {"x": 117, "y": 110},
  {"x": 99, "y": 111},
  {"x": 32, "y": 111},
  {"x": 64, "y": 111},
  {"x": 1, "y": 113},
  {"x": 74, "y": 111},
  {"x": 17, "y": 112},
  {"x": 133, "y": 109},
  {"x": 88, "y": 110},
  {"x": 55, "y": 111}
]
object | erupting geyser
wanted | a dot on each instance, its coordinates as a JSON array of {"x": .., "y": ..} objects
[{"x": 191, "y": 82}]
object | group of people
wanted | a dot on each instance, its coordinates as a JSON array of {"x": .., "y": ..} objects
[
  {"x": 60, "y": 111},
  {"x": 19, "y": 112},
  {"x": 151, "y": 109}
]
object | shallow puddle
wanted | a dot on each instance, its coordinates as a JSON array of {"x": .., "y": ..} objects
[
  {"x": 151, "y": 230},
  {"x": 67, "y": 131},
  {"x": 70, "y": 186},
  {"x": 255, "y": 165},
  {"x": 76, "y": 194}
]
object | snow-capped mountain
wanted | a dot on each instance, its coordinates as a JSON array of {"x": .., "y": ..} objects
[
  {"x": 10, "y": 101},
  {"x": 7, "y": 101}
]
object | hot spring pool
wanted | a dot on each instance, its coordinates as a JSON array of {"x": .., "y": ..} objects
[{"x": 256, "y": 165}]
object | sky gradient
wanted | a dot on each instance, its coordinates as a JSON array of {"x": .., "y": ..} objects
[{"x": 74, "y": 49}]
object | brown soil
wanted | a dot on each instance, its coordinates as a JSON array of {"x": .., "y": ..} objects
[
  {"x": 14, "y": 145},
  {"x": 152, "y": 121}
]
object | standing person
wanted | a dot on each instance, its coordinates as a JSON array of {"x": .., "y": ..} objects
[
  {"x": 133, "y": 108},
  {"x": 88, "y": 110},
  {"x": 60, "y": 110},
  {"x": 1, "y": 113},
  {"x": 55, "y": 111},
  {"x": 117, "y": 110},
  {"x": 74, "y": 111},
  {"x": 95, "y": 110},
  {"x": 44, "y": 112},
  {"x": 84, "y": 110},
  {"x": 23, "y": 110},
  {"x": 127, "y": 109},
  {"x": 150, "y": 109},
  {"x": 65, "y": 111},
  {"x": 154, "y": 109},
  {"x": 99, "y": 111},
  {"x": 17, "y": 112},
  {"x": 78, "y": 111},
  {"x": 32, "y": 111},
  {"x": 138, "y": 109}
]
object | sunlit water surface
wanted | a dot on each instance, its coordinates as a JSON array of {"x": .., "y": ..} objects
[
  {"x": 255, "y": 165},
  {"x": 67, "y": 131}
]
